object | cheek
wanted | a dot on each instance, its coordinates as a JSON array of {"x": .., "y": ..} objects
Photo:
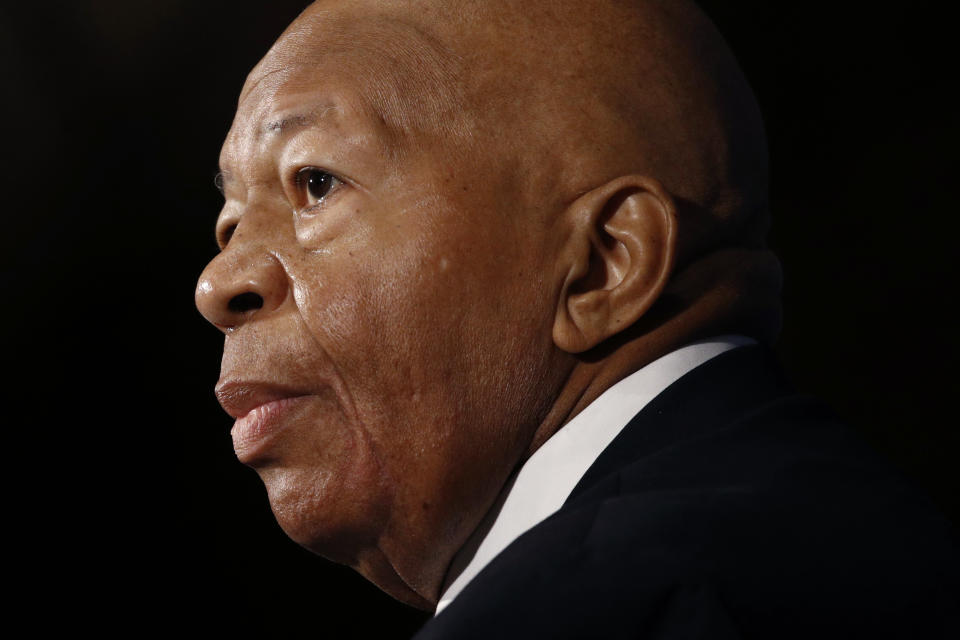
[
  {"x": 391, "y": 322},
  {"x": 421, "y": 308},
  {"x": 330, "y": 228},
  {"x": 429, "y": 329}
]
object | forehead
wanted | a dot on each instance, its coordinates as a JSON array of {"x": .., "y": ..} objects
[
  {"x": 389, "y": 72},
  {"x": 282, "y": 106}
]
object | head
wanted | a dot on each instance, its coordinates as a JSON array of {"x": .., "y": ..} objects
[{"x": 450, "y": 226}]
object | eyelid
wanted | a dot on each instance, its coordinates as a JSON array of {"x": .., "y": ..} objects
[
  {"x": 299, "y": 173},
  {"x": 223, "y": 236},
  {"x": 224, "y": 228}
]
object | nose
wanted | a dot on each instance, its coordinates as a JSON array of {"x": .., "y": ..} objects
[{"x": 240, "y": 285}]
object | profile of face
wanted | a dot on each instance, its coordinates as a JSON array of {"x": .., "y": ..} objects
[
  {"x": 385, "y": 329},
  {"x": 411, "y": 258}
]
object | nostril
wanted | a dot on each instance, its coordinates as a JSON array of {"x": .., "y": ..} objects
[{"x": 245, "y": 302}]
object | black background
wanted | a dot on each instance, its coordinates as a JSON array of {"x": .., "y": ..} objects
[{"x": 124, "y": 489}]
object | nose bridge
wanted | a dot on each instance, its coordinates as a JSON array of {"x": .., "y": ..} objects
[{"x": 242, "y": 282}]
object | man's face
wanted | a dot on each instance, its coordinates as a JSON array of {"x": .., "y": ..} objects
[{"x": 378, "y": 286}]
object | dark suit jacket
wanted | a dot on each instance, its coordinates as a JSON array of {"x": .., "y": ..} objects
[{"x": 730, "y": 507}]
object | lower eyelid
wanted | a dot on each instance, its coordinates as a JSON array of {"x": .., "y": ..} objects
[{"x": 333, "y": 194}]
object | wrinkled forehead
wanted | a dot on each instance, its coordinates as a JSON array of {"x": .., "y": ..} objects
[{"x": 394, "y": 72}]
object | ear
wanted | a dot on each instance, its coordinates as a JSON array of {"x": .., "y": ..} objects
[{"x": 617, "y": 257}]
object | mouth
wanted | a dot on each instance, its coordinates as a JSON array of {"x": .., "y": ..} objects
[{"x": 259, "y": 411}]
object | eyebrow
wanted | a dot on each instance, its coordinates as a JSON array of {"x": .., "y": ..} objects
[
  {"x": 280, "y": 127},
  {"x": 288, "y": 124}
]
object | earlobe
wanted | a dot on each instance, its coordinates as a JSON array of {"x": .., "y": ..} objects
[{"x": 618, "y": 257}]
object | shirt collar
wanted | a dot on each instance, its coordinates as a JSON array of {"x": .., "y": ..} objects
[{"x": 545, "y": 480}]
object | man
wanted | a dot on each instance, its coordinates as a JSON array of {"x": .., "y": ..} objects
[{"x": 494, "y": 290}]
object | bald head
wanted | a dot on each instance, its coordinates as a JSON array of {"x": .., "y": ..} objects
[
  {"x": 442, "y": 210},
  {"x": 598, "y": 89}
]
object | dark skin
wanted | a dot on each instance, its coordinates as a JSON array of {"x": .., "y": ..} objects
[{"x": 451, "y": 226}]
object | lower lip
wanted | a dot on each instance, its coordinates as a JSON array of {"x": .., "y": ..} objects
[{"x": 252, "y": 432}]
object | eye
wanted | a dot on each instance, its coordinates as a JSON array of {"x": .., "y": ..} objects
[
  {"x": 224, "y": 234},
  {"x": 316, "y": 184}
]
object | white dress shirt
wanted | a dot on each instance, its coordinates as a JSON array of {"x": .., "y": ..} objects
[{"x": 546, "y": 479}]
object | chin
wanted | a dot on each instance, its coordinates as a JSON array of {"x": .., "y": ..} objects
[
  {"x": 335, "y": 525},
  {"x": 335, "y": 519}
]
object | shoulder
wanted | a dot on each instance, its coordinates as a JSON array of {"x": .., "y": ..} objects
[{"x": 780, "y": 524}]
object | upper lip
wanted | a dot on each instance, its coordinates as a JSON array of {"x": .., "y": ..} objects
[{"x": 240, "y": 397}]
